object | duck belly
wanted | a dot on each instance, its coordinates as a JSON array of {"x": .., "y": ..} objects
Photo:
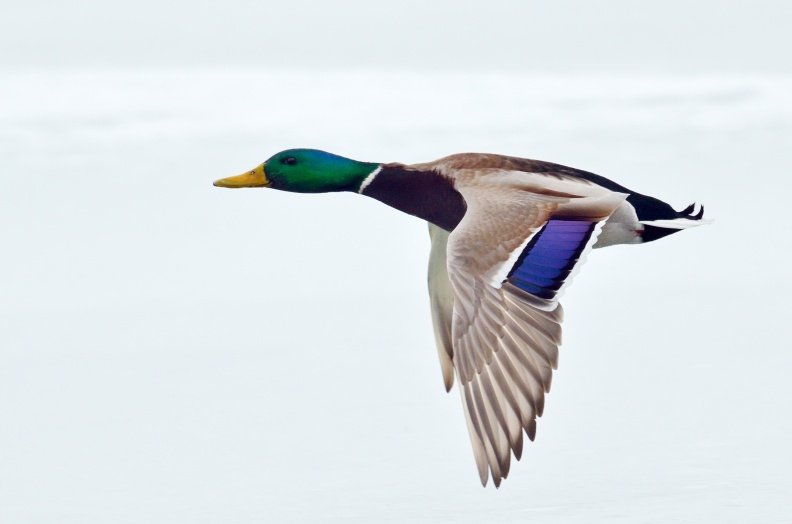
[{"x": 622, "y": 227}]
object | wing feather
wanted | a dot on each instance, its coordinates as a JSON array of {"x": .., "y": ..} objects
[
  {"x": 505, "y": 339},
  {"x": 441, "y": 299}
]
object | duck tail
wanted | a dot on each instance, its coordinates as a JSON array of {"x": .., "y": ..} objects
[{"x": 685, "y": 219}]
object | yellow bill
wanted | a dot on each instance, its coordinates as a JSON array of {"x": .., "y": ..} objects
[{"x": 253, "y": 178}]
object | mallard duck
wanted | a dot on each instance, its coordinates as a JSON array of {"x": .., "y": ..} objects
[{"x": 507, "y": 235}]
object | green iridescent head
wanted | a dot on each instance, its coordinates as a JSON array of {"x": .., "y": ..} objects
[{"x": 304, "y": 171}]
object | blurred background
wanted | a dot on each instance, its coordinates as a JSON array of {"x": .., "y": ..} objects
[{"x": 174, "y": 352}]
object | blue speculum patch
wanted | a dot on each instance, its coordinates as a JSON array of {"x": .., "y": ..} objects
[{"x": 550, "y": 256}]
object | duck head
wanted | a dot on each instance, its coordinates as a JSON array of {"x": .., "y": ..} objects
[{"x": 304, "y": 171}]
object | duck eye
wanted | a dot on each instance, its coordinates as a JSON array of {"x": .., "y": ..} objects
[{"x": 289, "y": 160}]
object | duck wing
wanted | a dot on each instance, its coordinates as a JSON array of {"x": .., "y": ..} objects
[
  {"x": 441, "y": 301},
  {"x": 508, "y": 260}
]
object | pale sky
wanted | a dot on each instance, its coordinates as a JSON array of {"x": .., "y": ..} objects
[
  {"x": 675, "y": 36},
  {"x": 172, "y": 352}
]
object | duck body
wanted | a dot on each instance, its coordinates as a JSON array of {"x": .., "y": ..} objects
[
  {"x": 428, "y": 191},
  {"x": 507, "y": 236}
]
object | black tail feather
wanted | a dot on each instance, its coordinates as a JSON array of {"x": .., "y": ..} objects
[
  {"x": 651, "y": 232},
  {"x": 700, "y": 214},
  {"x": 688, "y": 210}
]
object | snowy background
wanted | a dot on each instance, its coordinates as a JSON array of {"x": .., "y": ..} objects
[{"x": 171, "y": 352}]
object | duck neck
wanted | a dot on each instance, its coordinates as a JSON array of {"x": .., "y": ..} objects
[{"x": 424, "y": 194}]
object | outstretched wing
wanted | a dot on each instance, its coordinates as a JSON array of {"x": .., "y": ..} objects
[{"x": 508, "y": 260}]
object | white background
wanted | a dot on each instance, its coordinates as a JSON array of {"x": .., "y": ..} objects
[{"x": 173, "y": 352}]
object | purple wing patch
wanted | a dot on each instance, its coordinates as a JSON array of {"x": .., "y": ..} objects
[{"x": 550, "y": 256}]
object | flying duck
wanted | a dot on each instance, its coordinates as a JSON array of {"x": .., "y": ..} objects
[{"x": 507, "y": 235}]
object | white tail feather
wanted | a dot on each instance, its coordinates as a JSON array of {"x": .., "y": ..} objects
[{"x": 677, "y": 223}]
